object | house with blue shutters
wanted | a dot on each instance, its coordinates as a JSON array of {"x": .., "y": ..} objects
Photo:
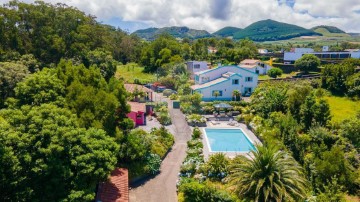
[{"x": 224, "y": 80}]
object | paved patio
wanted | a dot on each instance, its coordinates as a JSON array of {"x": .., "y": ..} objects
[{"x": 162, "y": 188}]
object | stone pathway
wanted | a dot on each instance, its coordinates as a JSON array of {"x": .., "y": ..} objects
[{"x": 162, "y": 188}]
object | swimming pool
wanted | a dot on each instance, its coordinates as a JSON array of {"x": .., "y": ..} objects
[{"x": 228, "y": 140}]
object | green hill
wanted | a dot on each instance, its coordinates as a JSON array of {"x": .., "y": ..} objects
[
  {"x": 177, "y": 32},
  {"x": 330, "y": 31},
  {"x": 270, "y": 30},
  {"x": 227, "y": 31}
]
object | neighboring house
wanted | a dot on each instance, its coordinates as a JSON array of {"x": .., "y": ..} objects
[
  {"x": 212, "y": 50},
  {"x": 142, "y": 94},
  {"x": 263, "y": 51},
  {"x": 137, "y": 113},
  {"x": 224, "y": 80},
  {"x": 196, "y": 66},
  {"x": 297, "y": 53},
  {"x": 116, "y": 189},
  {"x": 255, "y": 66}
]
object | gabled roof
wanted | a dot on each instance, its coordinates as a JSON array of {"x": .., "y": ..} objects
[
  {"x": 209, "y": 70},
  {"x": 116, "y": 189},
  {"x": 132, "y": 87},
  {"x": 214, "y": 82},
  {"x": 136, "y": 106}
]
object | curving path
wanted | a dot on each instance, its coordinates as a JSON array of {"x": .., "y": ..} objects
[{"x": 162, "y": 188}]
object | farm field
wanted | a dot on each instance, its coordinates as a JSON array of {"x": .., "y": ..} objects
[
  {"x": 132, "y": 71},
  {"x": 342, "y": 108}
]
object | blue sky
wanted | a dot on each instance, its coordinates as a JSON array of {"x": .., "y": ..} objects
[{"x": 212, "y": 15}]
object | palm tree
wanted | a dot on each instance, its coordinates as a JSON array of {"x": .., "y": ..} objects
[
  {"x": 236, "y": 94},
  {"x": 268, "y": 175},
  {"x": 216, "y": 94}
]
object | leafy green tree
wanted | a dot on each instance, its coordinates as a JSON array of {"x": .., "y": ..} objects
[
  {"x": 334, "y": 164},
  {"x": 135, "y": 146},
  {"x": 351, "y": 130},
  {"x": 269, "y": 98},
  {"x": 296, "y": 97},
  {"x": 307, "y": 62},
  {"x": 322, "y": 112},
  {"x": 353, "y": 85},
  {"x": 332, "y": 192},
  {"x": 336, "y": 77},
  {"x": 275, "y": 72},
  {"x": 41, "y": 87},
  {"x": 268, "y": 175},
  {"x": 158, "y": 52},
  {"x": 103, "y": 60},
  {"x": 307, "y": 111},
  {"x": 94, "y": 107},
  {"x": 10, "y": 75},
  {"x": 52, "y": 158}
]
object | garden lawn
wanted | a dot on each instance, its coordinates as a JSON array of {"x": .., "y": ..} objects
[
  {"x": 132, "y": 71},
  {"x": 342, "y": 108}
]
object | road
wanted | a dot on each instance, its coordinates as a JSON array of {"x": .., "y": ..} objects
[{"x": 162, "y": 188}]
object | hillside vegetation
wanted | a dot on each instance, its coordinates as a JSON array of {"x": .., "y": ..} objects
[
  {"x": 327, "y": 33},
  {"x": 227, "y": 31},
  {"x": 270, "y": 30},
  {"x": 330, "y": 29},
  {"x": 177, "y": 32}
]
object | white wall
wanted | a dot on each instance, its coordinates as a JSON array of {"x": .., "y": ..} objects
[
  {"x": 218, "y": 72},
  {"x": 227, "y": 87},
  {"x": 355, "y": 54},
  {"x": 191, "y": 67}
]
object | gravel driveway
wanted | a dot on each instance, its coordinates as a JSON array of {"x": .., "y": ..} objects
[{"x": 162, "y": 188}]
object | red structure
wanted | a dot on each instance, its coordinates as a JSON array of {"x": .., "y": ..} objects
[
  {"x": 116, "y": 189},
  {"x": 137, "y": 113}
]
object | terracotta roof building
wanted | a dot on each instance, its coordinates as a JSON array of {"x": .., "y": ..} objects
[
  {"x": 147, "y": 93},
  {"x": 116, "y": 189}
]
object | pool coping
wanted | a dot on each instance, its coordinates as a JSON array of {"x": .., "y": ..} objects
[
  {"x": 249, "y": 134},
  {"x": 237, "y": 128}
]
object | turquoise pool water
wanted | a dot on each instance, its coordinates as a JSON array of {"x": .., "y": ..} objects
[{"x": 228, "y": 140}]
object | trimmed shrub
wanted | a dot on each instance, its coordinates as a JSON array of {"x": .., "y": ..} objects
[
  {"x": 275, "y": 72},
  {"x": 196, "y": 133}
]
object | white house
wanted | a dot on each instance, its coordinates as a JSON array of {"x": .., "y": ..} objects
[
  {"x": 224, "y": 79},
  {"x": 297, "y": 53},
  {"x": 255, "y": 66},
  {"x": 196, "y": 66}
]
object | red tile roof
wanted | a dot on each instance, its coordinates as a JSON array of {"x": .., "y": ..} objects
[
  {"x": 131, "y": 88},
  {"x": 136, "y": 106},
  {"x": 116, "y": 189}
]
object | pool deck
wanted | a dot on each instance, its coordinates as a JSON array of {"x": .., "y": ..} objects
[{"x": 224, "y": 124}]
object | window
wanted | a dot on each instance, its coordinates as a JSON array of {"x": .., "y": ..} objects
[
  {"x": 196, "y": 78},
  {"x": 219, "y": 94},
  {"x": 235, "y": 81},
  {"x": 197, "y": 66},
  {"x": 205, "y": 79},
  {"x": 248, "y": 79},
  {"x": 247, "y": 90}
]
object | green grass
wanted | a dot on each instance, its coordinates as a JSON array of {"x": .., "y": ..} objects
[
  {"x": 342, "y": 108},
  {"x": 132, "y": 71}
]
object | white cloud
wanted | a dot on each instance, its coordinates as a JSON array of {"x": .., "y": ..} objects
[{"x": 215, "y": 14}]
